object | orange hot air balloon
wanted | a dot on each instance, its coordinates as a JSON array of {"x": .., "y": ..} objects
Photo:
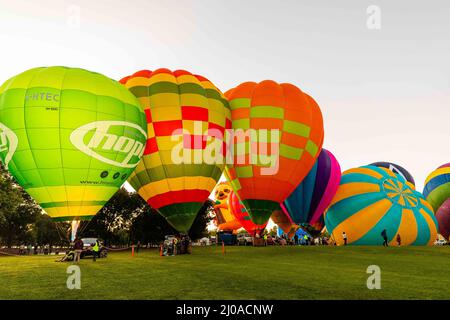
[
  {"x": 280, "y": 138},
  {"x": 224, "y": 220}
]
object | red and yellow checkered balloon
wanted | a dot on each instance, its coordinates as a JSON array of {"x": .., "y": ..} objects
[{"x": 182, "y": 107}]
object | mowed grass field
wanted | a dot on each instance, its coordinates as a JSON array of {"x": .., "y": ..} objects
[{"x": 242, "y": 273}]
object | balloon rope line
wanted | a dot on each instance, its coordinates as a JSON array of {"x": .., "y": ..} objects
[
  {"x": 114, "y": 249},
  {"x": 10, "y": 254}
]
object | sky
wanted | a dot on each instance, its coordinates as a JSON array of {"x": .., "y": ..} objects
[{"x": 384, "y": 92}]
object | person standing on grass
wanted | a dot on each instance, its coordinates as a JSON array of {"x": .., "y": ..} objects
[
  {"x": 95, "y": 250},
  {"x": 174, "y": 244},
  {"x": 78, "y": 248},
  {"x": 344, "y": 236},
  {"x": 399, "y": 240},
  {"x": 138, "y": 246},
  {"x": 265, "y": 240},
  {"x": 296, "y": 239},
  {"x": 385, "y": 238}
]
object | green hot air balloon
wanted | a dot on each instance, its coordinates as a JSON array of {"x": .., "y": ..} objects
[{"x": 70, "y": 137}]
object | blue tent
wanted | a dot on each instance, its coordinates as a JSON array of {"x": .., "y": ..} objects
[{"x": 300, "y": 233}]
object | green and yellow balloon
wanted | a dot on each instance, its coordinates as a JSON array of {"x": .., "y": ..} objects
[{"x": 70, "y": 137}]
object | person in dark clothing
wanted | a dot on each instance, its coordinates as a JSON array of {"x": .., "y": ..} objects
[
  {"x": 138, "y": 246},
  {"x": 385, "y": 238},
  {"x": 399, "y": 240},
  {"x": 296, "y": 239}
]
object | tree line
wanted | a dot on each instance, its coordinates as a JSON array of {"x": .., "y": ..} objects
[{"x": 124, "y": 220}]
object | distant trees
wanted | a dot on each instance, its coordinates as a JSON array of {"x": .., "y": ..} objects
[
  {"x": 125, "y": 219},
  {"x": 17, "y": 211}
]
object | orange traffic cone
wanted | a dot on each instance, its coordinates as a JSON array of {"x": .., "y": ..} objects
[{"x": 161, "y": 250}]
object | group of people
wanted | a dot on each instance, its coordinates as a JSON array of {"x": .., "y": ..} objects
[
  {"x": 77, "y": 249},
  {"x": 296, "y": 240},
  {"x": 176, "y": 245},
  {"x": 34, "y": 250},
  {"x": 384, "y": 236}
]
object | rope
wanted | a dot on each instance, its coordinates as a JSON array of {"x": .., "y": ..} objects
[
  {"x": 10, "y": 254},
  {"x": 114, "y": 249}
]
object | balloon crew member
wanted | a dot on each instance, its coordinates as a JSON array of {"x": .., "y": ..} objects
[
  {"x": 344, "y": 236},
  {"x": 399, "y": 240},
  {"x": 78, "y": 248},
  {"x": 95, "y": 250},
  {"x": 385, "y": 239}
]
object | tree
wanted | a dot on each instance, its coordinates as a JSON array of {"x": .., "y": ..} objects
[
  {"x": 45, "y": 231},
  {"x": 18, "y": 211},
  {"x": 150, "y": 227},
  {"x": 199, "y": 226},
  {"x": 117, "y": 214}
]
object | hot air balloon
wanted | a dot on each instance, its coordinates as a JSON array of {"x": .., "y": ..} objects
[
  {"x": 225, "y": 220},
  {"x": 284, "y": 222},
  {"x": 313, "y": 195},
  {"x": 239, "y": 211},
  {"x": 187, "y": 117},
  {"x": 70, "y": 137},
  {"x": 371, "y": 199},
  {"x": 278, "y": 135},
  {"x": 396, "y": 169},
  {"x": 437, "y": 192}
]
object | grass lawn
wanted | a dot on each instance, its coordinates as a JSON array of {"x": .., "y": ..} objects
[{"x": 242, "y": 273}]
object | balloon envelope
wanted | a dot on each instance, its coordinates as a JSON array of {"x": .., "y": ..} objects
[
  {"x": 443, "y": 219},
  {"x": 284, "y": 137},
  {"x": 314, "y": 194},
  {"x": 72, "y": 137},
  {"x": 284, "y": 222},
  {"x": 239, "y": 211},
  {"x": 397, "y": 169},
  {"x": 437, "y": 186},
  {"x": 371, "y": 199},
  {"x": 182, "y": 110}
]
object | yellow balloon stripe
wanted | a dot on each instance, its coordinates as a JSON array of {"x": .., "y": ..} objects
[
  {"x": 362, "y": 221},
  {"x": 176, "y": 184},
  {"x": 431, "y": 226},
  {"x": 438, "y": 172},
  {"x": 367, "y": 171},
  {"x": 78, "y": 211},
  {"x": 407, "y": 228},
  {"x": 71, "y": 193},
  {"x": 352, "y": 189},
  {"x": 390, "y": 173},
  {"x": 426, "y": 204}
]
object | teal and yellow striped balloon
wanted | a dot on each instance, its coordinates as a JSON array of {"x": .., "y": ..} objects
[{"x": 371, "y": 199}]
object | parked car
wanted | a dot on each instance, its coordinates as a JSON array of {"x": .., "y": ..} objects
[
  {"x": 244, "y": 239},
  {"x": 87, "y": 248},
  {"x": 205, "y": 241},
  {"x": 440, "y": 242}
]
